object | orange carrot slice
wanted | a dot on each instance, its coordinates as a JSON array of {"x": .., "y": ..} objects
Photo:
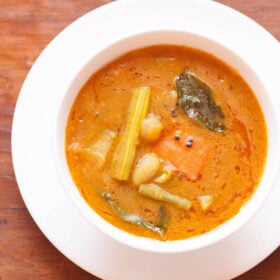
[{"x": 188, "y": 160}]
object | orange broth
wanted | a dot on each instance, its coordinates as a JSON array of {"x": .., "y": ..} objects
[{"x": 226, "y": 166}]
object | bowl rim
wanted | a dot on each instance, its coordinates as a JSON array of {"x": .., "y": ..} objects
[{"x": 193, "y": 243}]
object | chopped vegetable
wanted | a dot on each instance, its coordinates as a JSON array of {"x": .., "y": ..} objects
[
  {"x": 146, "y": 168},
  {"x": 205, "y": 201},
  {"x": 189, "y": 161},
  {"x": 101, "y": 146},
  {"x": 163, "y": 218},
  {"x": 98, "y": 149},
  {"x": 160, "y": 228},
  {"x": 151, "y": 128},
  {"x": 123, "y": 157},
  {"x": 195, "y": 97},
  {"x": 155, "y": 192},
  {"x": 165, "y": 176}
]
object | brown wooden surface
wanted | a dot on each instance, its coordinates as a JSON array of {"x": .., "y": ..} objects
[{"x": 25, "y": 29}]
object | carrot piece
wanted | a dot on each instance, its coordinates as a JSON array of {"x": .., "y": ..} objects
[{"x": 188, "y": 160}]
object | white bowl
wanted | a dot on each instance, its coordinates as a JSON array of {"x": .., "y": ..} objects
[{"x": 118, "y": 46}]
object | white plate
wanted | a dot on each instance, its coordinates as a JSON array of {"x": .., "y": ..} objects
[{"x": 33, "y": 155}]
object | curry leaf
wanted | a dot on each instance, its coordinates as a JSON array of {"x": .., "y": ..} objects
[
  {"x": 159, "y": 228},
  {"x": 195, "y": 97}
]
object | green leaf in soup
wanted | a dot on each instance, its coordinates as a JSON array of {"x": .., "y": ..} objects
[
  {"x": 195, "y": 97},
  {"x": 159, "y": 228}
]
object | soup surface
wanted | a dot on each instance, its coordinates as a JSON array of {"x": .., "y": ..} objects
[{"x": 151, "y": 163}]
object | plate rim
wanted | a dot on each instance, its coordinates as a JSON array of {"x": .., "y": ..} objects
[{"x": 16, "y": 128}]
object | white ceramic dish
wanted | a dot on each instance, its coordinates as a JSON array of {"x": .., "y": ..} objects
[
  {"x": 131, "y": 41},
  {"x": 33, "y": 129}
]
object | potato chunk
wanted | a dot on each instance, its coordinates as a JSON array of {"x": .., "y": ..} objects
[
  {"x": 151, "y": 128},
  {"x": 146, "y": 168}
]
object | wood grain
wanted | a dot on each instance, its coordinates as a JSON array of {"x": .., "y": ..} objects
[{"x": 26, "y": 27}]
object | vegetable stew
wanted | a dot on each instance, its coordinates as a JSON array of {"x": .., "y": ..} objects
[{"x": 166, "y": 142}]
